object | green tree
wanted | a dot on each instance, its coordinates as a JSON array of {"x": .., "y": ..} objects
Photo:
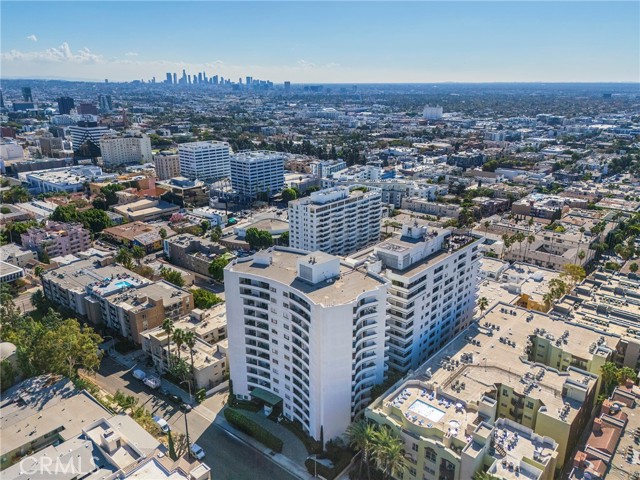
[
  {"x": 38, "y": 270},
  {"x": 361, "y": 437},
  {"x": 124, "y": 257},
  {"x": 190, "y": 341},
  {"x": 258, "y": 239},
  {"x": 483, "y": 303},
  {"x": 204, "y": 225},
  {"x": 289, "y": 194},
  {"x": 216, "y": 234},
  {"x": 138, "y": 253},
  {"x": 633, "y": 267},
  {"x": 575, "y": 273},
  {"x": 284, "y": 239},
  {"x": 388, "y": 452},
  {"x": 172, "y": 276},
  {"x": 100, "y": 202},
  {"x": 216, "y": 267},
  {"x": 16, "y": 194},
  {"x": 65, "y": 214},
  {"x": 95, "y": 220},
  {"x": 39, "y": 301},
  {"x": 178, "y": 339},
  {"x": 204, "y": 298},
  {"x": 7, "y": 374},
  {"x": 163, "y": 233},
  {"x": 109, "y": 192}
]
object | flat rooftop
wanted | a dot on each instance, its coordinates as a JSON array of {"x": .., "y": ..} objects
[
  {"x": 284, "y": 269},
  {"x": 138, "y": 299},
  {"x": 45, "y": 404},
  {"x": 478, "y": 359}
]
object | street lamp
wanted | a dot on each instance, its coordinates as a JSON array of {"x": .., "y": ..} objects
[{"x": 186, "y": 424}]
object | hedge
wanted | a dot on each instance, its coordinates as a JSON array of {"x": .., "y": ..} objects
[
  {"x": 248, "y": 426},
  {"x": 340, "y": 462}
]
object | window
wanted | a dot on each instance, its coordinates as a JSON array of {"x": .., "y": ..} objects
[
  {"x": 529, "y": 405},
  {"x": 430, "y": 454},
  {"x": 505, "y": 392},
  {"x": 414, "y": 447}
]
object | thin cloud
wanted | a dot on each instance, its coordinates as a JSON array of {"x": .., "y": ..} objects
[
  {"x": 131, "y": 54},
  {"x": 33, "y": 38},
  {"x": 60, "y": 54}
]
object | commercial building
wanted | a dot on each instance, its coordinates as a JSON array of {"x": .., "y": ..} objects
[
  {"x": 191, "y": 252},
  {"x": 257, "y": 172},
  {"x": 517, "y": 370},
  {"x": 145, "y": 210},
  {"x": 432, "y": 113},
  {"x": 167, "y": 165},
  {"x": 438, "y": 209},
  {"x": 338, "y": 221},
  {"x": 130, "y": 148},
  {"x": 205, "y": 160},
  {"x": 65, "y": 105},
  {"x": 185, "y": 192},
  {"x": 306, "y": 335},
  {"x": 432, "y": 274},
  {"x": 87, "y": 134},
  {"x": 71, "y": 179},
  {"x": 56, "y": 239},
  {"x": 16, "y": 255},
  {"x": 10, "y": 272}
]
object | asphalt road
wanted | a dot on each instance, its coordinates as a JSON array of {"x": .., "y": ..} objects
[
  {"x": 228, "y": 457},
  {"x": 23, "y": 301}
]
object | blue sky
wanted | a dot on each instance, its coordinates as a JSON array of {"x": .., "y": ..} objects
[{"x": 324, "y": 41}]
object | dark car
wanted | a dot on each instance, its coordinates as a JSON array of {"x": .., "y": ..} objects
[{"x": 174, "y": 398}]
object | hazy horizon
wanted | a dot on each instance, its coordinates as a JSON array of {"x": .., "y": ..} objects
[{"x": 325, "y": 42}]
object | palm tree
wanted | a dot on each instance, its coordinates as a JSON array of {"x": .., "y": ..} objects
[
  {"x": 123, "y": 257},
  {"x": 581, "y": 255},
  {"x": 483, "y": 303},
  {"x": 178, "y": 339},
  {"x": 167, "y": 326},
  {"x": 138, "y": 253},
  {"x": 38, "y": 271},
  {"x": 388, "y": 452},
  {"x": 579, "y": 243},
  {"x": 190, "y": 339},
  {"x": 361, "y": 436},
  {"x": 530, "y": 240}
]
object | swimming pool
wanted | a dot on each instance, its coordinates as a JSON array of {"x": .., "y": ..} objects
[
  {"x": 426, "y": 411},
  {"x": 124, "y": 284}
]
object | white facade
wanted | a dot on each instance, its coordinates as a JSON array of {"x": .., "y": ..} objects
[
  {"x": 432, "y": 113},
  {"x": 205, "y": 160},
  {"x": 167, "y": 165},
  {"x": 118, "y": 150},
  {"x": 257, "y": 172},
  {"x": 80, "y": 134},
  {"x": 433, "y": 274},
  {"x": 339, "y": 220},
  {"x": 308, "y": 329}
]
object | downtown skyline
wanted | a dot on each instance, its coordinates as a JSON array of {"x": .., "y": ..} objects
[{"x": 331, "y": 42}]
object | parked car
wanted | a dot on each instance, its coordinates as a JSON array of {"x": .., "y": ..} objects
[
  {"x": 162, "y": 424},
  {"x": 197, "y": 451},
  {"x": 139, "y": 374},
  {"x": 174, "y": 398},
  {"x": 152, "y": 382}
]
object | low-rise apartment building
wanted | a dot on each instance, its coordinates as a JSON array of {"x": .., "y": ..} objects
[
  {"x": 191, "y": 252},
  {"x": 103, "y": 292},
  {"x": 420, "y": 205},
  {"x": 16, "y": 255},
  {"x": 145, "y": 210},
  {"x": 496, "y": 382},
  {"x": 167, "y": 165},
  {"x": 57, "y": 239},
  {"x": 141, "y": 234},
  {"x": 209, "y": 352}
]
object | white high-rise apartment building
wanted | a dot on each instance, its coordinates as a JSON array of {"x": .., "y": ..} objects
[
  {"x": 167, "y": 165},
  {"x": 255, "y": 172},
  {"x": 130, "y": 148},
  {"x": 433, "y": 274},
  {"x": 339, "y": 220},
  {"x": 205, "y": 160},
  {"x": 307, "y": 331},
  {"x": 432, "y": 113}
]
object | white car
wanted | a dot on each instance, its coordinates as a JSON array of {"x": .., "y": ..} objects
[
  {"x": 162, "y": 424},
  {"x": 197, "y": 451}
]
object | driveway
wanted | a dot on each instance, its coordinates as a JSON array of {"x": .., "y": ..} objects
[{"x": 229, "y": 457}]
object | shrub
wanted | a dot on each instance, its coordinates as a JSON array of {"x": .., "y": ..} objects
[{"x": 250, "y": 427}]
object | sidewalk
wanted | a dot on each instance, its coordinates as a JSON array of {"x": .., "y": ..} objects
[{"x": 286, "y": 463}]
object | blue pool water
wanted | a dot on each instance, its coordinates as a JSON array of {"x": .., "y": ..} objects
[
  {"x": 426, "y": 410},
  {"x": 124, "y": 284}
]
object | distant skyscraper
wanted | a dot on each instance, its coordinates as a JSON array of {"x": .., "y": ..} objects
[
  {"x": 1, "y": 100},
  {"x": 432, "y": 113},
  {"x": 175, "y": 78},
  {"x": 169, "y": 78},
  {"x": 200, "y": 77},
  {"x": 65, "y": 104},
  {"x": 249, "y": 81},
  {"x": 214, "y": 80},
  {"x": 287, "y": 86},
  {"x": 104, "y": 103},
  {"x": 26, "y": 94},
  {"x": 87, "y": 109},
  {"x": 189, "y": 79}
]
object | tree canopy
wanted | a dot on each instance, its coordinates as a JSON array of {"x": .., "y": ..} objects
[
  {"x": 216, "y": 267},
  {"x": 204, "y": 298},
  {"x": 172, "y": 276},
  {"x": 258, "y": 239}
]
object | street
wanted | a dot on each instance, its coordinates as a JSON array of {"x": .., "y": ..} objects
[
  {"x": 228, "y": 457},
  {"x": 23, "y": 301}
]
